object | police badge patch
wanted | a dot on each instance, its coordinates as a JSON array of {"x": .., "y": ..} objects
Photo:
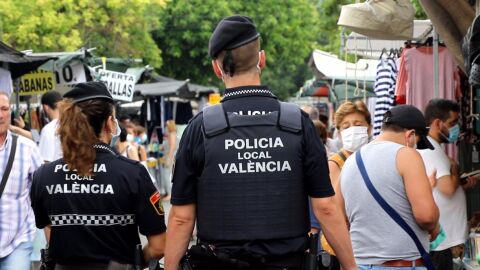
[{"x": 156, "y": 202}]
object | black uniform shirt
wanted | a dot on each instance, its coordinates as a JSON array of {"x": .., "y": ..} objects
[
  {"x": 190, "y": 156},
  {"x": 96, "y": 219}
]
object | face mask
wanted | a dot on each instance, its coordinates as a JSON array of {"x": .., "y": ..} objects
[
  {"x": 354, "y": 137},
  {"x": 130, "y": 138},
  {"x": 453, "y": 134},
  {"x": 144, "y": 138},
  {"x": 115, "y": 135},
  {"x": 137, "y": 140}
]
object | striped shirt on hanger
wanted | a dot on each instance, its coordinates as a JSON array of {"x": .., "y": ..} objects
[{"x": 384, "y": 91}]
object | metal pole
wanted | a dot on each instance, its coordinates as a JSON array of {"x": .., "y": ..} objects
[
  {"x": 436, "y": 80},
  {"x": 17, "y": 96}
]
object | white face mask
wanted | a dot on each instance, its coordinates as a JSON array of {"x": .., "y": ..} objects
[
  {"x": 130, "y": 138},
  {"x": 115, "y": 135},
  {"x": 354, "y": 137}
]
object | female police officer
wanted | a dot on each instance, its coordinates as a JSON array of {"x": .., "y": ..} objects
[{"x": 93, "y": 201}]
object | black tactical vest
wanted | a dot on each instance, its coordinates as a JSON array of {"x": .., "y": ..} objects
[{"x": 252, "y": 186}]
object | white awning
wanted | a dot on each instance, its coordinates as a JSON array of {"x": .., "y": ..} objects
[
  {"x": 331, "y": 67},
  {"x": 372, "y": 48}
]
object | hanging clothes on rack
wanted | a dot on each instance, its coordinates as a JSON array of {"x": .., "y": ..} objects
[
  {"x": 6, "y": 85},
  {"x": 415, "y": 83},
  {"x": 384, "y": 90},
  {"x": 179, "y": 111}
]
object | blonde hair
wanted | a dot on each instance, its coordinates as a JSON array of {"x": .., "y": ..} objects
[{"x": 349, "y": 108}]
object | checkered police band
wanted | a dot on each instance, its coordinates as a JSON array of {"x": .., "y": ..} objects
[{"x": 92, "y": 220}]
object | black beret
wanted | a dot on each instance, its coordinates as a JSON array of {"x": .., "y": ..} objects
[
  {"x": 230, "y": 33},
  {"x": 89, "y": 90}
]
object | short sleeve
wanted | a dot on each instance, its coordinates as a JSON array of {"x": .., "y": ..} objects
[
  {"x": 46, "y": 144},
  {"x": 36, "y": 197},
  {"x": 436, "y": 160},
  {"x": 315, "y": 163},
  {"x": 188, "y": 164},
  {"x": 150, "y": 214},
  {"x": 443, "y": 166}
]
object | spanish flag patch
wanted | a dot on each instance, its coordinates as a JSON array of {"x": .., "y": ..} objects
[{"x": 156, "y": 202}]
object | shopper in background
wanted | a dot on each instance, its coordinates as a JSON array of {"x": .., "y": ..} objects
[
  {"x": 49, "y": 145},
  {"x": 442, "y": 117},
  {"x": 352, "y": 120},
  {"x": 395, "y": 170},
  {"x": 17, "y": 227}
]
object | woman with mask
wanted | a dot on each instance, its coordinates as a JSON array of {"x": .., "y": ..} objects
[
  {"x": 93, "y": 202},
  {"x": 138, "y": 138},
  {"x": 124, "y": 145},
  {"x": 353, "y": 122}
]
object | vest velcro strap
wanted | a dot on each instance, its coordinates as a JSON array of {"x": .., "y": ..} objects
[
  {"x": 214, "y": 120},
  {"x": 236, "y": 120},
  {"x": 290, "y": 117}
]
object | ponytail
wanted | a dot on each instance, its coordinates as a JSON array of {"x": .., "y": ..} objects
[{"x": 79, "y": 129}]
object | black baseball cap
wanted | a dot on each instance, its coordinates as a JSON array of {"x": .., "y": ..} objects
[
  {"x": 232, "y": 32},
  {"x": 89, "y": 90},
  {"x": 409, "y": 117}
]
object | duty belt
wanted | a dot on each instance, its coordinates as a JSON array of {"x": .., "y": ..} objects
[{"x": 202, "y": 255}]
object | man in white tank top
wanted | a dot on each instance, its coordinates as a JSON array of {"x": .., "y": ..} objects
[{"x": 397, "y": 172}]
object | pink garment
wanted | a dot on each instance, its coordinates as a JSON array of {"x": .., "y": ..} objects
[
  {"x": 416, "y": 80},
  {"x": 418, "y": 71}
]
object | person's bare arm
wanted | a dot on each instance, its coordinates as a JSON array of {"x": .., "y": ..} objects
[
  {"x": 172, "y": 145},
  {"x": 448, "y": 184},
  {"x": 180, "y": 227},
  {"x": 418, "y": 188},
  {"x": 132, "y": 152},
  {"x": 335, "y": 229},
  {"x": 335, "y": 179},
  {"x": 47, "y": 230},
  {"x": 155, "y": 247},
  {"x": 142, "y": 153},
  {"x": 21, "y": 132}
]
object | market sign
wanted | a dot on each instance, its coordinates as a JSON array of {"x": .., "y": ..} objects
[
  {"x": 120, "y": 85},
  {"x": 36, "y": 82},
  {"x": 69, "y": 75}
]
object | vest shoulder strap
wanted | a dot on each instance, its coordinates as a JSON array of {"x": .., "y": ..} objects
[
  {"x": 290, "y": 118},
  {"x": 214, "y": 120},
  {"x": 339, "y": 158}
]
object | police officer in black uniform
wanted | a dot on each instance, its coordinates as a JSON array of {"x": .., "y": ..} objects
[
  {"x": 93, "y": 202},
  {"x": 245, "y": 169}
]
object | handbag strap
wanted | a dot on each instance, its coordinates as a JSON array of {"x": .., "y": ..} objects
[
  {"x": 391, "y": 212},
  {"x": 11, "y": 157}
]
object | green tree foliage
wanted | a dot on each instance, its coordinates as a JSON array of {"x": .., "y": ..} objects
[
  {"x": 115, "y": 27},
  {"x": 419, "y": 12},
  {"x": 289, "y": 29}
]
